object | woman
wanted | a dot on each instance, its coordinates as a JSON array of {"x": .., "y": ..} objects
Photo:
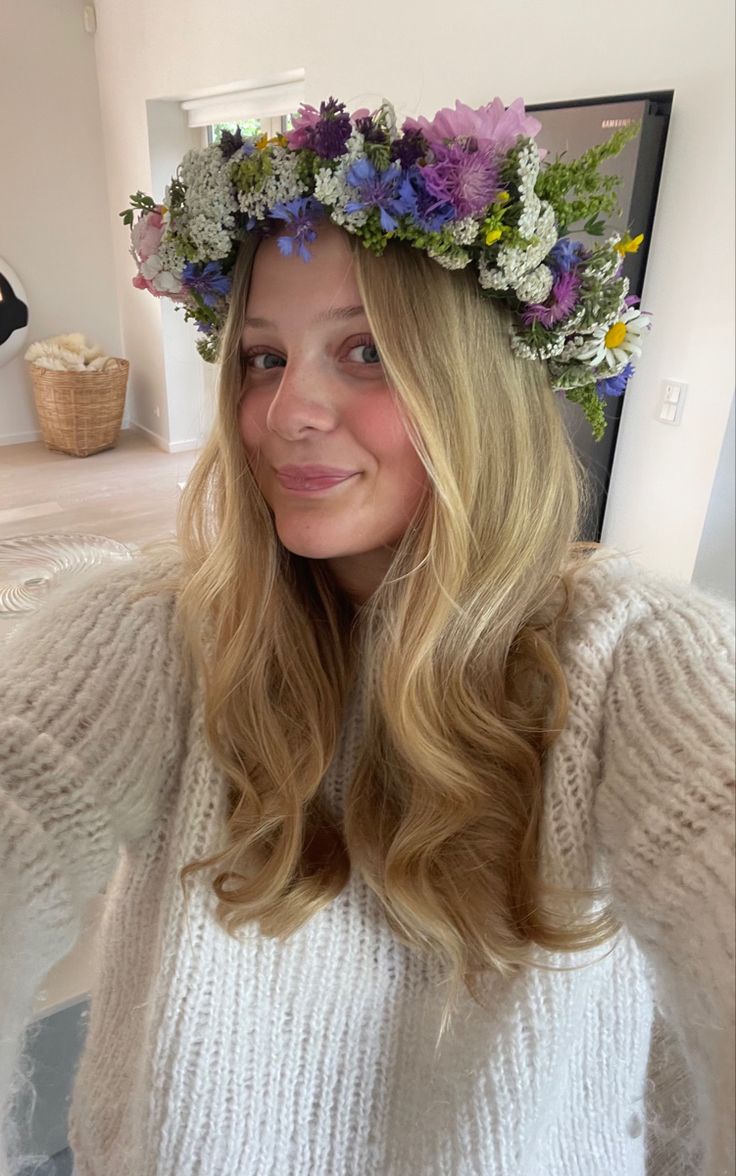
[{"x": 397, "y": 734}]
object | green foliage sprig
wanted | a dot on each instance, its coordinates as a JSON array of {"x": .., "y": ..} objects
[
  {"x": 138, "y": 201},
  {"x": 595, "y": 193}
]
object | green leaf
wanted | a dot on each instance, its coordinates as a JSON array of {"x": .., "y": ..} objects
[{"x": 594, "y": 227}]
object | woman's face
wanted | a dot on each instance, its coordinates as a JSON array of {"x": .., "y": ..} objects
[{"x": 315, "y": 393}]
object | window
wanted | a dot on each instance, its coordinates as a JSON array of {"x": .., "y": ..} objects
[{"x": 250, "y": 126}]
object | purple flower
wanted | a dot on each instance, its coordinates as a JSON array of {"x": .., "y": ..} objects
[
  {"x": 377, "y": 190},
  {"x": 428, "y": 213},
  {"x": 230, "y": 143},
  {"x": 615, "y": 385},
  {"x": 563, "y": 297},
  {"x": 300, "y": 214},
  {"x": 208, "y": 282},
  {"x": 332, "y": 130},
  {"x": 493, "y": 125},
  {"x": 469, "y": 180},
  {"x": 407, "y": 150},
  {"x": 368, "y": 129},
  {"x": 566, "y": 254}
]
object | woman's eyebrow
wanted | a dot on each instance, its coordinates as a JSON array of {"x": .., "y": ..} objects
[{"x": 336, "y": 313}]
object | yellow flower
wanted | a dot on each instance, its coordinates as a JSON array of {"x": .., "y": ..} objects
[
  {"x": 279, "y": 140},
  {"x": 615, "y": 335},
  {"x": 629, "y": 244},
  {"x": 262, "y": 141},
  {"x": 492, "y": 235},
  {"x": 502, "y": 198}
]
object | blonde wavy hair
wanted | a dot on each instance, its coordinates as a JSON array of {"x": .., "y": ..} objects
[{"x": 464, "y": 691}]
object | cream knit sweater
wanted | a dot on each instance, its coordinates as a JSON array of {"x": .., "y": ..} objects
[{"x": 314, "y": 1057}]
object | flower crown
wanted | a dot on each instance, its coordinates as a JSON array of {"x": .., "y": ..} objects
[{"x": 468, "y": 186}]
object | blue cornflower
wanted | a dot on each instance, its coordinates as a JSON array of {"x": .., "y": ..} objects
[
  {"x": 300, "y": 213},
  {"x": 566, "y": 254},
  {"x": 208, "y": 282},
  {"x": 377, "y": 190},
  {"x": 615, "y": 385},
  {"x": 429, "y": 213},
  {"x": 247, "y": 147}
]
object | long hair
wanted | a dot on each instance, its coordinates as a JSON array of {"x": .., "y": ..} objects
[{"x": 456, "y": 650}]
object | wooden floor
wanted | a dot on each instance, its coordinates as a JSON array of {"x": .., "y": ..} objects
[{"x": 128, "y": 493}]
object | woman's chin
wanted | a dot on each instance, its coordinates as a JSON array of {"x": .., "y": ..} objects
[{"x": 314, "y": 546}]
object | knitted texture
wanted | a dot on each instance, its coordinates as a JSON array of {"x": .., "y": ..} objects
[{"x": 207, "y": 1056}]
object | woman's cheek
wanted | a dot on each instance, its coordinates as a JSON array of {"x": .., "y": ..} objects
[
  {"x": 376, "y": 423},
  {"x": 251, "y": 418}
]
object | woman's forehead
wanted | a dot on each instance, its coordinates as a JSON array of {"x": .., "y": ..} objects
[{"x": 286, "y": 283}]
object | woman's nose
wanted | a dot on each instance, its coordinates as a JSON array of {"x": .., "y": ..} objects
[{"x": 303, "y": 400}]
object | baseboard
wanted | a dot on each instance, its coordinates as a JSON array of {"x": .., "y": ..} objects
[
  {"x": 161, "y": 442},
  {"x": 155, "y": 438},
  {"x": 19, "y": 438},
  {"x": 36, "y": 435}
]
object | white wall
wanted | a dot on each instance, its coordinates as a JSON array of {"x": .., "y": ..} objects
[
  {"x": 715, "y": 566},
  {"x": 422, "y": 59},
  {"x": 55, "y": 224}
]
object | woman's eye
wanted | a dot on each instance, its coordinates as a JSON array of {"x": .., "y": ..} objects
[
  {"x": 264, "y": 355},
  {"x": 369, "y": 347},
  {"x": 370, "y": 360}
]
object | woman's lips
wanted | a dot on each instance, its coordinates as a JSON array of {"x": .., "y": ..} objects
[{"x": 301, "y": 485}]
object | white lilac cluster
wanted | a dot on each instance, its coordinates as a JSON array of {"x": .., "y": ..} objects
[
  {"x": 527, "y": 170},
  {"x": 550, "y": 349},
  {"x": 283, "y": 184},
  {"x": 515, "y": 263},
  {"x": 536, "y": 285},
  {"x": 460, "y": 232},
  {"x": 464, "y": 231},
  {"x": 207, "y": 220},
  {"x": 450, "y": 259}
]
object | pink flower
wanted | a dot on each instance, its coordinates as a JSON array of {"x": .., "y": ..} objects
[
  {"x": 142, "y": 283},
  {"x": 303, "y": 124},
  {"x": 146, "y": 234},
  {"x": 491, "y": 125}
]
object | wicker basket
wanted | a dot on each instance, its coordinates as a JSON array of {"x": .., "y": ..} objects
[{"x": 80, "y": 412}]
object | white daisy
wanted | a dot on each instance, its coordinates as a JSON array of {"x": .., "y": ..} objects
[{"x": 615, "y": 343}]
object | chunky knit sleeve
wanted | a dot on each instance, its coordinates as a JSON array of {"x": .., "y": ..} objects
[
  {"x": 92, "y": 705},
  {"x": 665, "y": 820}
]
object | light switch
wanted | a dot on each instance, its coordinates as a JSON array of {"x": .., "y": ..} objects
[{"x": 673, "y": 398}]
